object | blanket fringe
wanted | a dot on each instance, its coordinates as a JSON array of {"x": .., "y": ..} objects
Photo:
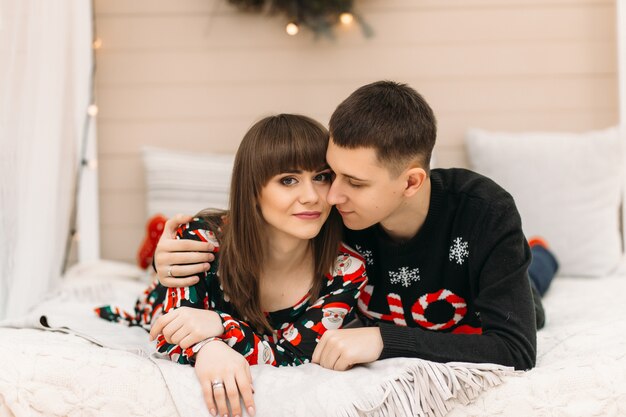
[{"x": 429, "y": 389}]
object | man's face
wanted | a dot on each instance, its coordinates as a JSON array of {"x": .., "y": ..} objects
[{"x": 364, "y": 191}]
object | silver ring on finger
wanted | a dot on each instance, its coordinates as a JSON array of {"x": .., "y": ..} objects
[
  {"x": 217, "y": 383},
  {"x": 169, "y": 272}
]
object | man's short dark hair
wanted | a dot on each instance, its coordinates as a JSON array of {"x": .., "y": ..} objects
[{"x": 391, "y": 118}]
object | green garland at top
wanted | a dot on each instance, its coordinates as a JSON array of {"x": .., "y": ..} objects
[{"x": 319, "y": 15}]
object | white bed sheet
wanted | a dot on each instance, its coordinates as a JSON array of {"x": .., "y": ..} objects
[
  {"x": 581, "y": 368},
  {"x": 581, "y": 363}
]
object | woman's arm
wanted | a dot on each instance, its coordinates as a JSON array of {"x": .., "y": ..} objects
[
  {"x": 186, "y": 326},
  {"x": 176, "y": 335},
  {"x": 186, "y": 333}
]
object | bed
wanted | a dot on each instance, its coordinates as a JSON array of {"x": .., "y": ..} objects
[
  {"x": 49, "y": 370},
  {"x": 61, "y": 360}
]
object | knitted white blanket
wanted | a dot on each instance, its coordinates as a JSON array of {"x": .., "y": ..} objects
[{"x": 394, "y": 387}]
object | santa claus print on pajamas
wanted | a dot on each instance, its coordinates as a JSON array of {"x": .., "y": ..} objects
[
  {"x": 296, "y": 329},
  {"x": 292, "y": 335},
  {"x": 333, "y": 315}
]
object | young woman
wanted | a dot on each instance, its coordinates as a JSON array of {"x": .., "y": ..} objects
[{"x": 280, "y": 277}]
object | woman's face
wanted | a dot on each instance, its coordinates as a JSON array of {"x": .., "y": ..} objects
[{"x": 293, "y": 204}]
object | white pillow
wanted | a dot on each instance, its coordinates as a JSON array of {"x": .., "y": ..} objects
[
  {"x": 185, "y": 182},
  {"x": 567, "y": 187}
]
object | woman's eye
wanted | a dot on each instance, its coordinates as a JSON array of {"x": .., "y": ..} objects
[
  {"x": 288, "y": 181},
  {"x": 354, "y": 185},
  {"x": 324, "y": 177}
]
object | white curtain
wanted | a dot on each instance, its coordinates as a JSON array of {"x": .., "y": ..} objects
[{"x": 45, "y": 76}]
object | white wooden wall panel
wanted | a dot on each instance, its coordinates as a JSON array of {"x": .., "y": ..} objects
[{"x": 195, "y": 74}]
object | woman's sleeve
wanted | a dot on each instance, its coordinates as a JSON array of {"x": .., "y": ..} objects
[
  {"x": 196, "y": 296},
  {"x": 295, "y": 342}
]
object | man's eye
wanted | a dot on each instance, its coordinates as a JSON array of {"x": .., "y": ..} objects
[
  {"x": 288, "y": 181},
  {"x": 354, "y": 185}
]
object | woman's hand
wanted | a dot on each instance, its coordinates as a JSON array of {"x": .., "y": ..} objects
[
  {"x": 175, "y": 259},
  {"x": 186, "y": 326},
  {"x": 217, "y": 363}
]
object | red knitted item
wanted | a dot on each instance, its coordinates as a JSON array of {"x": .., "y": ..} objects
[{"x": 154, "y": 230}]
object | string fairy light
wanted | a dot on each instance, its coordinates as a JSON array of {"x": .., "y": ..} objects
[
  {"x": 321, "y": 16},
  {"x": 292, "y": 28},
  {"x": 92, "y": 164},
  {"x": 346, "y": 18},
  {"x": 92, "y": 110}
]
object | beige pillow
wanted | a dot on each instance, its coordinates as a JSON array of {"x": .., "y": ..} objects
[
  {"x": 567, "y": 187},
  {"x": 185, "y": 182}
]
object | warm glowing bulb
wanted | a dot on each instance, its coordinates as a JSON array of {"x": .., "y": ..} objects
[
  {"x": 292, "y": 29},
  {"x": 92, "y": 110},
  {"x": 97, "y": 43},
  {"x": 92, "y": 164},
  {"x": 346, "y": 18}
]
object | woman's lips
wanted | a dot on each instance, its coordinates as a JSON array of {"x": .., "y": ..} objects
[{"x": 308, "y": 215}]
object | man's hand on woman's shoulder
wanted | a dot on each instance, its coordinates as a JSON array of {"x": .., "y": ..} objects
[{"x": 179, "y": 261}]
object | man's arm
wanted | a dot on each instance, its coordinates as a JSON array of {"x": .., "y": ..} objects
[
  {"x": 503, "y": 297},
  {"x": 343, "y": 348}
]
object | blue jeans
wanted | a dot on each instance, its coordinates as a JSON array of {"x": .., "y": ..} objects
[{"x": 542, "y": 268}]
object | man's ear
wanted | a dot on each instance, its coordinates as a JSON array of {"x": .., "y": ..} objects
[{"x": 415, "y": 178}]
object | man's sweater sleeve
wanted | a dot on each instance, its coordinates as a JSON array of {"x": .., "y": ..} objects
[{"x": 499, "y": 275}]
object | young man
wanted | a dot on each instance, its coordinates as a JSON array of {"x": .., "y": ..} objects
[{"x": 447, "y": 260}]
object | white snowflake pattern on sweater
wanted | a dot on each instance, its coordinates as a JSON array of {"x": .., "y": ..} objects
[
  {"x": 459, "y": 251},
  {"x": 365, "y": 253},
  {"x": 405, "y": 276}
]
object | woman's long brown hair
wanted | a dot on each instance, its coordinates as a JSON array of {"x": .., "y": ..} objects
[{"x": 274, "y": 145}]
